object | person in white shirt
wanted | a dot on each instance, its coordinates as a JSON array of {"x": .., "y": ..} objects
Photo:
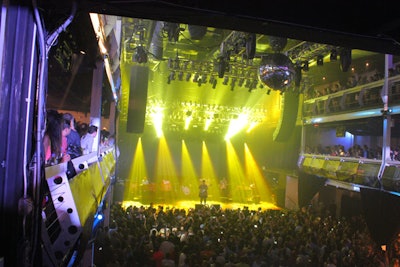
[{"x": 88, "y": 139}]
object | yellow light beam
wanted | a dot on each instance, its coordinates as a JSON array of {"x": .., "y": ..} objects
[
  {"x": 189, "y": 180},
  {"x": 260, "y": 188},
  {"x": 209, "y": 174},
  {"x": 240, "y": 186},
  {"x": 137, "y": 173},
  {"x": 166, "y": 176}
]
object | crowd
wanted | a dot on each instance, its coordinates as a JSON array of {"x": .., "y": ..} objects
[
  {"x": 149, "y": 236},
  {"x": 355, "y": 151},
  {"x": 66, "y": 139}
]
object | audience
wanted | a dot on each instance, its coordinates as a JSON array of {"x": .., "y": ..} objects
[{"x": 239, "y": 237}]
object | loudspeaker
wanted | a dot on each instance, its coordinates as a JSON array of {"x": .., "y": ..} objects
[
  {"x": 137, "y": 99},
  {"x": 287, "y": 121},
  {"x": 198, "y": 207}
]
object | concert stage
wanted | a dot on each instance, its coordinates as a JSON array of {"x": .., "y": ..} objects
[{"x": 211, "y": 204}]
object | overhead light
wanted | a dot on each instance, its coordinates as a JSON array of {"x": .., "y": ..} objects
[
  {"x": 196, "y": 77},
  {"x": 320, "y": 60},
  {"x": 197, "y": 32},
  {"x": 180, "y": 76},
  {"x": 221, "y": 66},
  {"x": 172, "y": 30},
  {"x": 188, "y": 75},
  {"x": 333, "y": 56},
  {"x": 140, "y": 55},
  {"x": 345, "y": 59},
  {"x": 226, "y": 80},
  {"x": 171, "y": 77},
  {"x": 241, "y": 81},
  {"x": 233, "y": 82},
  {"x": 305, "y": 65},
  {"x": 276, "y": 71},
  {"x": 214, "y": 84}
]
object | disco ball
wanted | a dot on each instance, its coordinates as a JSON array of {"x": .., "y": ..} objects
[{"x": 276, "y": 71}]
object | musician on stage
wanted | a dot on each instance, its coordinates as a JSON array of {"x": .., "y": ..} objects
[
  {"x": 223, "y": 186},
  {"x": 203, "y": 192}
]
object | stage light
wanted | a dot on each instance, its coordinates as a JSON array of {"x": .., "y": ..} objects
[
  {"x": 176, "y": 64},
  {"x": 241, "y": 81},
  {"x": 170, "y": 63},
  {"x": 297, "y": 76},
  {"x": 140, "y": 55},
  {"x": 320, "y": 60},
  {"x": 226, "y": 80},
  {"x": 221, "y": 66},
  {"x": 171, "y": 77},
  {"x": 180, "y": 76},
  {"x": 99, "y": 216},
  {"x": 188, "y": 76},
  {"x": 276, "y": 71},
  {"x": 197, "y": 32},
  {"x": 196, "y": 77},
  {"x": 172, "y": 30},
  {"x": 247, "y": 84},
  {"x": 233, "y": 83},
  {"x": 214, "y": 84},
  {"x": 345, "y": 59},
  {"x": 212, "y": 79},
  {"x": 333, "y": 56},
  {"x": 305, "y": 65},
  {"x": 188, "y": 119}
]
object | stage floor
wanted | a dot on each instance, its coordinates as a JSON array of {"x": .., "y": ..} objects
[{"x": 192, "y": 204}]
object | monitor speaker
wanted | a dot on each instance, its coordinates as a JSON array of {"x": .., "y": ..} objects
[
  {"x": 137, "y": 99},
  {"x": 287, "y": 121}
]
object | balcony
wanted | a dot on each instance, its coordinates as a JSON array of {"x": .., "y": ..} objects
[{"x": 71, "y": 202}]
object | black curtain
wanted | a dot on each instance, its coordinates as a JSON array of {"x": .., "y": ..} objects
[
  {"x": 382, "y": 214},
  {"x": 309, "y": 185}
]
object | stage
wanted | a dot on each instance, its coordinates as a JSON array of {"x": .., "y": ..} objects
[{"x": 188, "y": 204}]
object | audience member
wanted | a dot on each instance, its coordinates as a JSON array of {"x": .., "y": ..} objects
[
  {"x": 88, "y": 139},
  {"x": 54, "y": 139},
  {"x": 74, "y": 139}
]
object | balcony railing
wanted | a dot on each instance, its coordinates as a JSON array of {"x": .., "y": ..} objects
[
  {"x": 362, "y": 97},
  {"x": 71, "y": 202}
]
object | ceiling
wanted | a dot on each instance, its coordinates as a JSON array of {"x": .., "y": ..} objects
[{"x": 182, "y": 38}]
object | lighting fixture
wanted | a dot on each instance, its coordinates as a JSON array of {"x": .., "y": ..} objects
[
  {"x": 180, "y": 76},
  {"x": 305, "y": 65},
  {"x": 214, "y": 84},
  {"x": 188, "y": 76},
  {"x": 345, "y": 59},
  {"x": 140, "y": 55},
  {"x": 233, "y": 82},
  {"x": 333, "y": 56},
  {"x": 276, "y": 71},
  {"x": 196, "y": 77},
  {"x": 226, "y": 80},
  {"x": 320, "y": 60}
]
